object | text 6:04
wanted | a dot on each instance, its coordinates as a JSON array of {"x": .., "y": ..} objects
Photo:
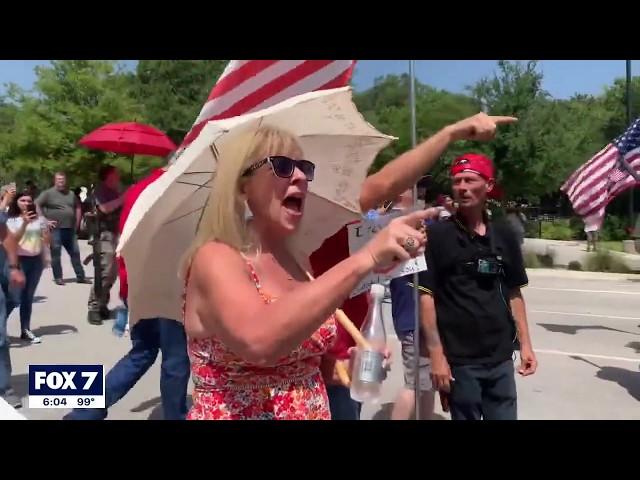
[{"x": 54, "y": 402}]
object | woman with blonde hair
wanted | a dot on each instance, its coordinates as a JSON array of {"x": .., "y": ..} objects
[{"x": 257, "y": 327}]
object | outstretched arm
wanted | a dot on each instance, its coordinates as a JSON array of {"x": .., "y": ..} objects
[{"x": 403, "y": 172}]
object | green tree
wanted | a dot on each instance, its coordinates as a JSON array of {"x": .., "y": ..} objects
[
  {"x": 386, "y": 106},
  {"x": 615, "y": 102},
  {"x": 70, "y": 99},
  {"x": 552, "y": 137},
  {"x": 172, "y": 92}
]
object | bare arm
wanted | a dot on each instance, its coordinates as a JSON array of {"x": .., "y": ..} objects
[
  {"x": 403, "y": 172},
  {"x": 440, "y": 370},
  {"x": 10, "y": 244},
  {"x": 228, "y": 307},
  {"x": 262, "y": 333},
  {"x": 519, "y": 311},
  {"x": 111, "y": 206},
  {"x": 7, "y": 198},
  {"x": 78, "y": 214},
  {"x": 528, "y": 361},
  {"x": 430, "y": 325}
]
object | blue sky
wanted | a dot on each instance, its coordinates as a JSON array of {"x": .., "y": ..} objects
[{"x": 563, "y": 78}]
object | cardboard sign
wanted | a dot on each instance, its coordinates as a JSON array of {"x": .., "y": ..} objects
[{"x": 360, "y": 233}]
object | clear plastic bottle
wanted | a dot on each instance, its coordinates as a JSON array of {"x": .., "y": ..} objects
[
  {"x": 368, "y": 367},
  {"x": 122, "y": 321}
]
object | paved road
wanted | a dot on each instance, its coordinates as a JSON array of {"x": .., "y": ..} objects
[{"x": 585, "y": 327}]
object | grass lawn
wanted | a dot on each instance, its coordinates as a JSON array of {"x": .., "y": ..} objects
[{"x": 615, "y": 246}]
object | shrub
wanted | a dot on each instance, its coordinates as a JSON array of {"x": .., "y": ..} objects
[
  {"x": 614, "y": 228},
  {"x": 531, "y": 260},
  {"x": 546, "y": 260},
  {"x": 574, "y": 265},
  {"x": 559, "y": 230},
  {"x": 604, "y": 261}
]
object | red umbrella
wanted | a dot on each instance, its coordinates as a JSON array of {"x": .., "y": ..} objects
[{"x": 129, "y": 138}]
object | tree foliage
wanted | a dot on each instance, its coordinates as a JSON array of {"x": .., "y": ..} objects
[
  {"x": 172, "y": 92},
  {"x": 39, "y": 129}
]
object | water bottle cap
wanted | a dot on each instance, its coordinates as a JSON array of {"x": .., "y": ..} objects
[{"x": 377, "y": 291}]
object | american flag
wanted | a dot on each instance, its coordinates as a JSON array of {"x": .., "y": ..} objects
[
  {"x": 606, "y": 175},
  {"x": 249, "y": 85}
]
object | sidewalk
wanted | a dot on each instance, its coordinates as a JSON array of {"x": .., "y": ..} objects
[{"x": 564, "y": 252}]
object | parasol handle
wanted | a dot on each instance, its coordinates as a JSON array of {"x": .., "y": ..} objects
[
  {"x": 348, "y": 325},
  {"x": 343, "y": 375}
]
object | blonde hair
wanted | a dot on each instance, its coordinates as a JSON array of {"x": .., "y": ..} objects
[{"x": 223, "y": 218}]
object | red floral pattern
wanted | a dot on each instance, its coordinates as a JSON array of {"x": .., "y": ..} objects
[{"x": 230, "y": 388}]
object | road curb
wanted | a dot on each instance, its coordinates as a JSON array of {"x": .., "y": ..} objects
[{"x": 559, "y": 273}]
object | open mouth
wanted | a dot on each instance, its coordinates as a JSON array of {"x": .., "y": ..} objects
[{"x": 293, "y": 203}]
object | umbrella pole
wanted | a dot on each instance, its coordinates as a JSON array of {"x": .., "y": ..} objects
[{"x": 416, "y": 281}]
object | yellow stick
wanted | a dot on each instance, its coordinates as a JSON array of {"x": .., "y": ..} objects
[{"x": 341, "y": 370}]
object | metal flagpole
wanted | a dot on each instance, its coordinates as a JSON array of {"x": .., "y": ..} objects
[
  {"x": 416, "y": 295},
  {"x": 629, "y": 119}
]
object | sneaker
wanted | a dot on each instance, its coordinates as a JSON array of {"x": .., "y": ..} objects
[
  {"x": 12, "y": 399},
  {"x": 83, "y": 280},
  {"x": 58, "y": 281},
  {"x": 94, "y": 318},
  {"x": 29, "y": 336},
  {"x": 105, "y": 313}
]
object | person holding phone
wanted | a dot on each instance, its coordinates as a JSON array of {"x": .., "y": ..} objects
[{"x": 31, "y": 233}]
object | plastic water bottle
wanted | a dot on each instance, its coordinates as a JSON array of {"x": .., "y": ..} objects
[
  {"x": 368, "y": 368},
  {"x": 121, "y": 322}
]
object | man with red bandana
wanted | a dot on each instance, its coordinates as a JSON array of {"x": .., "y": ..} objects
[
  {"x": 471, "y": 307},
  {"x": 389, "y": 182}
]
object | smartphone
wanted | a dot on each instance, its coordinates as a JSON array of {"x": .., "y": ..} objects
[{"x": 32, "y": 208}]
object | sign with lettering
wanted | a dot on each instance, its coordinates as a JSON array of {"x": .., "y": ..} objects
[{"x": 360, "y": 233}]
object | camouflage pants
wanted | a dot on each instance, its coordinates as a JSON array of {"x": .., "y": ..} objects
[{"x": 108, "y": 243}]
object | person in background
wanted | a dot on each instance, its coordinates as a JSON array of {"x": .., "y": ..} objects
[
  {"x": 60, "y": 207},
  {"x": 108, "y": 199},
  {"x": 472, "y": 309},
  {"x": 7, "y": 196},
  {"x": 11, "y": 277},
  {"x": 31, "y": 189},
  {"x": 592, "y": 237},
  {"x": 446, "y": 207},
  {"x": 389, "y": 182},
  {"x": 403, "y": 313},
  {"x": 32, "y": 235},
  {"x": 148, "y": 337},
  {"x": 516, "y": 219}
]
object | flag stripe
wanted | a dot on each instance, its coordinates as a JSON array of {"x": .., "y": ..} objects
[
  {"x": 243, "y": 88},
  {"x": 585, "y": 202},
  {"x": 235, "y": 77},
  {"x": 605, "y": 176},
  {"x": 340, "y": 81},
  {"x": 309, "y": 83},
  {"x": 597, "y": 180},
  {"x": 249, "y": 85},
  {"x": 596, "y": 163},
  {"x": 271, "y": 89}
]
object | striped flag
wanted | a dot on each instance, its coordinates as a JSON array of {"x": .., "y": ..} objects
[
  {"x": 249, "y": 85},
  {"x": 613, "y": 170}
]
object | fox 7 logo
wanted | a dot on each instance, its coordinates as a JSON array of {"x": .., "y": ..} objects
[{"x": 66, "y": 379}]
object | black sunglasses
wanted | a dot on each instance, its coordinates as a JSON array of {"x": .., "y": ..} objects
[{"x": 284, "y": 167}]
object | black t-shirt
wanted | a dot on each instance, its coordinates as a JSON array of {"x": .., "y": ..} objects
[{"x": 473, "y": 313}]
